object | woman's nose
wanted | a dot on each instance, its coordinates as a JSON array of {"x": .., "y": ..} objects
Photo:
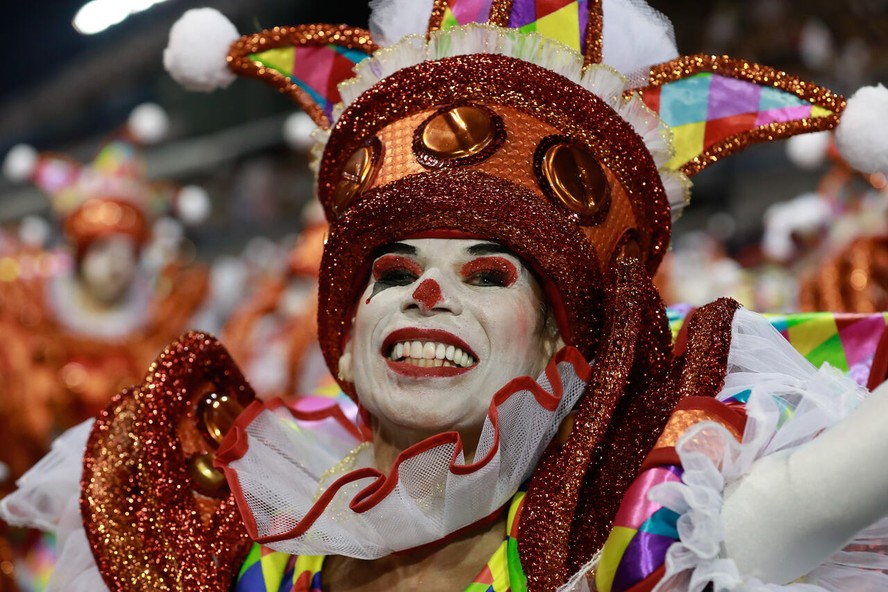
[
  {"x": 433, "y": 295},
  {"x": 428, "y": 294}
]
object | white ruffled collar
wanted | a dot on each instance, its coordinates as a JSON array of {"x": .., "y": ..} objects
[
  {"x": 64, "y": 298},
  {"x": 306, "y": 484}
]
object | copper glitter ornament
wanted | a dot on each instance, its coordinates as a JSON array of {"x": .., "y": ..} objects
[
  {"x": 508, "y": 86},
  {"x": 629, "y": 249},
  {"x": 216, "y": 414},
  {"x": 208, "y": 480},
  {"x": 147, "y": 512}
]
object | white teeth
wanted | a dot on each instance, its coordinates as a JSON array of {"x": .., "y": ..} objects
[{"x": 430, "y": 353}]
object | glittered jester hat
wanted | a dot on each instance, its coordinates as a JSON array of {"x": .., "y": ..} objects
[
  {"x": 110, "y": 195},
  {"x": 564, "y": 129}
]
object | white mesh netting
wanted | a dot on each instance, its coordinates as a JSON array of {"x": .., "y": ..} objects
[{"x": 322, "y": 481}]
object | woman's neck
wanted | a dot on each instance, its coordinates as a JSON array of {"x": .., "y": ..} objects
[{"x": 390, "y": 441}]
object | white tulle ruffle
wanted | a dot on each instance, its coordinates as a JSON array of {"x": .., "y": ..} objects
[
  {"x": 317, "y": 491},
  {"x": 790, "y": 403},
  {"x": 48, "y": 498}
]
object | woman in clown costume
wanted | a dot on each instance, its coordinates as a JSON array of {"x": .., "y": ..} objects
[{"x": 498, "y": 202}]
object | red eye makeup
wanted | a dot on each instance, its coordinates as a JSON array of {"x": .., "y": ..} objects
[
  {"x": 490, "y": 271},
  {"x": 390, "y": 267}
]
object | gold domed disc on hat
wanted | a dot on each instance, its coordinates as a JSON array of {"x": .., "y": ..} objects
[
  {"x": 458, "y": 135},
  {"x": 216, "y": 414},
  {"x": 208, "y": 479},
  {"x": 357, "y": 175},
  {"x": 576, "y": 178},
  {"x": 458, "y": 132}
]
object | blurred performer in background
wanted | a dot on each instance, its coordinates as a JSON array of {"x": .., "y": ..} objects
[
  {"x": 81, "y": 322},
  {"x": 841, "y": 255},
  {"x": 273, "y": 335}
]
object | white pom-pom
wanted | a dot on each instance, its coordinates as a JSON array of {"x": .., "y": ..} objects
[
  {"x": 148, "y": 123},
  {"x": 196, "y": 53},
  {"x": 192, "y": 204},
  {"x": 808, "y": 151},
  {"x": 297, "y": 131},
  {"x": 20, "y": 162},
  {"x": 862, "y": 134},
  {"x": 804, "y": 214},
  {"x": 34, "y": 231},
  {"x": 168, "y": 229}
]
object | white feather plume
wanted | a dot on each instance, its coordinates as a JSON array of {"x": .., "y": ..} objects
[
  {"x": 635, "y": 36},
  {"x": 392, "y": 20}
]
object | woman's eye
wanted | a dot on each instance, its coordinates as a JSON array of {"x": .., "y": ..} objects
[
  {"x": 490, "y": 272},
  {"x": 396, "y": 277},
  {"x": 393, "y": 270},
  {"x": 491, "y": 277}
]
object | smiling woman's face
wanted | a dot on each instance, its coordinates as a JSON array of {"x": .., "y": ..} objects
[{"x": 442, "y": 325}]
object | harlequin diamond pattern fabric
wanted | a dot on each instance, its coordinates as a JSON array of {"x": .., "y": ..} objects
[
  {"x": 316, "y": 69},
  {"x": 705, "y": 109},
  {"x": 846, "y": 341},
  {"x": 561, "y": 20}
]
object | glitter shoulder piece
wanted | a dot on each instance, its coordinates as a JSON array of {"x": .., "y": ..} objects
[{"x": 157, "y": 514}]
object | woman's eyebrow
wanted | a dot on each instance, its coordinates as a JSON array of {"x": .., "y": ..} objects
[
  {"x": 489, "y": 249},
  {"x": 397, "y": 248}
]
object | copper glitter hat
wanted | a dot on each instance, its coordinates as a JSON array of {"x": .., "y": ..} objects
[{"x": 545, "y": 126}]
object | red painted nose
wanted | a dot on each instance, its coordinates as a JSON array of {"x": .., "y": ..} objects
[{"x": 428, "y": 294}]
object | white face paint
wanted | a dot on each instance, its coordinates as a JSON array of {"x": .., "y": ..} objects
[
  {"x": 108, "y": 268},
  {"x": 442, "y": 325}
]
